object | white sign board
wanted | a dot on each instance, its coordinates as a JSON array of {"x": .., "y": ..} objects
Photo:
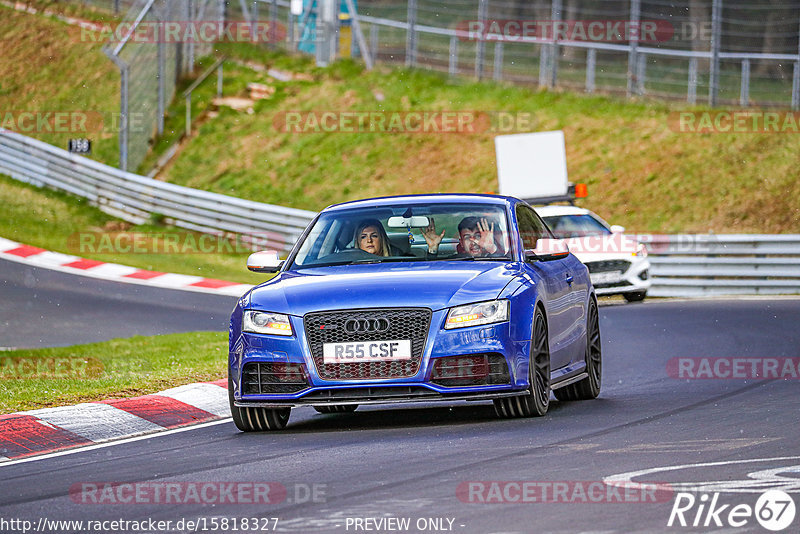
[{"x": 531, "y": 165}]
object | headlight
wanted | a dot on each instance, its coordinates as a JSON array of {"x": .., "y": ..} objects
[
  {"x": 266, "y": 323},
  {"x": 641, "y": 251},
  {"x": 493, "y": 311}
]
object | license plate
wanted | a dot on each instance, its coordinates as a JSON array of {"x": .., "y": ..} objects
[
  {"x": 366, "y": 351},
  {"x": 606, "y": 278}
]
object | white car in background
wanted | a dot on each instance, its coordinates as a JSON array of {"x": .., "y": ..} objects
[{"x": 617, "y": 263}]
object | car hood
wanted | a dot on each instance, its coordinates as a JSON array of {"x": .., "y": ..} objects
[{"x": 434, "y": 285}]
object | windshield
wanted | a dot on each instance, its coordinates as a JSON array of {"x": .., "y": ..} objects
[
  {"x": 564, "y": 226},
  {"x": 406, "y": 233}
]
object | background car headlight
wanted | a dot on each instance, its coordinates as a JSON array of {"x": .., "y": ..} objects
[
  {"x": 493, "y": 311},
  {"x": 266, "y": 323}
]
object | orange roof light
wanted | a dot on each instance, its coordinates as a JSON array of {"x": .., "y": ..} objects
[{"x": 581, "y": 191}]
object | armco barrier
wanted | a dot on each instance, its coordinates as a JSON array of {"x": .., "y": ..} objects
[
  {"x": 134, "y": 198},
  {"x": 684, "y": 265},
  {"x": 724, "y": 264}
]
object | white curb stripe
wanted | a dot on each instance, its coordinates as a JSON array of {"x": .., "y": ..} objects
[
  {"x": 47, "y": 259},
  {"x": 208, "y": 397},
  {"x": 95, "y": 422},
  {"x": 111, "y": 270},
  {"x": 115, "y": 272},
  {"x": 7, "y": 244}
]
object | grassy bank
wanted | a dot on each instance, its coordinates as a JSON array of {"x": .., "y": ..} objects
[
  {"x": 48, "y": 66},
  {"x": 641, "y": 173},
  {"x": 38, "y": 378}
]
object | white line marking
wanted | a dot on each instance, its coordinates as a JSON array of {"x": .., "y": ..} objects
[
  {"x": 730, "y": 486},
  {"x": 112, "y": 443}
]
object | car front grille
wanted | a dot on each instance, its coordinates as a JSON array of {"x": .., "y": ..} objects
[
  {"x": 403, "y": 323},
  {"x": 273, "y": 377},
  {"x": 607, "y": 265}
]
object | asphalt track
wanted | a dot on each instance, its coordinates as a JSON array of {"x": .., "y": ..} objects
[
  {"x": 392, "y": 464},
  {"x": 46, "y": 308}
]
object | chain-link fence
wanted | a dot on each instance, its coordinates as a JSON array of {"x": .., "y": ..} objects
[
  {"x": 718, "y": 52},
  {"x": 151, "y": 49}
]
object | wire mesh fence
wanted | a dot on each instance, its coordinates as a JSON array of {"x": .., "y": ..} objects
[{"x": 718, "y": 52}]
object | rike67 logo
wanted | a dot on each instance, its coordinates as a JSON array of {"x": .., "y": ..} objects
[{"x": 774, "y": 510}]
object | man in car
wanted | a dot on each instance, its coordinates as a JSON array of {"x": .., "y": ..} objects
[{"x": 475, "y": 235}]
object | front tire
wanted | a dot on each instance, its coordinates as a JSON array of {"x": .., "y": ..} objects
[
  {"x": 536, "y": 400},
  {"x": 589, "y": 387},
  {"x": 256, "y": 419}
]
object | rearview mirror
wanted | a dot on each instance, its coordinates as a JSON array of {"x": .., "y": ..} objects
[
  {"x": 266, "y": 261},
  {"x": 407, "y": 222},
  {"x": 617, "y": 229},
  {"x": 547, "y": 250}
]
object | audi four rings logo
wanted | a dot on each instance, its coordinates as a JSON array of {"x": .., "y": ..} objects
[{"x": 366, "y": 325}]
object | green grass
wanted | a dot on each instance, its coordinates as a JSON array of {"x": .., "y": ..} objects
[
  {"x": 640, "y": 172},
  {"x": 38, "y": 378},
  {"x": 56, "y": 221},
  {"x": 50, "y": 66}
]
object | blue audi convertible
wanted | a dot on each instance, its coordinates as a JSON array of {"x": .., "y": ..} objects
[{"x": 415, "y": 298}]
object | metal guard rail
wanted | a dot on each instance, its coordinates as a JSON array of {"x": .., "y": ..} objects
[
  {"x": 702, "y": 265},
  {"x": 135, "y": 198}
]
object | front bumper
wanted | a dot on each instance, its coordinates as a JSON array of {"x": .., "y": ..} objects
[
  {"x": 614, "y": 277},
  {"x": 308, "y": 386}
]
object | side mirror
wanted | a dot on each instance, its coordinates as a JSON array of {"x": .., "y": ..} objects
[
  {"x": 617, "y": 229},
  {"x": 547, "y": 250},
  {"x": 266, "y": 261}
]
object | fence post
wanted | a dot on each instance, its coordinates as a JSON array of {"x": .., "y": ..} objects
[
  {"x": 123, "y": 119},
  {"x": 591, "y": 60},
  {"x": 691, "y": 91},
  {"x": 411, "y": 34},
  {"x": 641, "y": 68},
  {"x": 290, "y": 27},
  {"x": 192, "y": 10},
  {"x": 273, "y": 23},
  {"x": 480, "y": 44},
  {"x": 716, "y": 33},
  {"x": 796, "y": 77},
  {"x": 544, "y": 60},
  {"x": 633, "y": 40},
  {"x": 744, "y": 92},
  {"x": 161, "y": 77},
  {"x": 555, "y": 16},
  {"x": 452, "y": 68},
  {"x": 498, "y": 61},
  {"x": 219, "y": 81},
  {"x": 188, "y": 129},
  {"x": 373, "y": 42}
]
